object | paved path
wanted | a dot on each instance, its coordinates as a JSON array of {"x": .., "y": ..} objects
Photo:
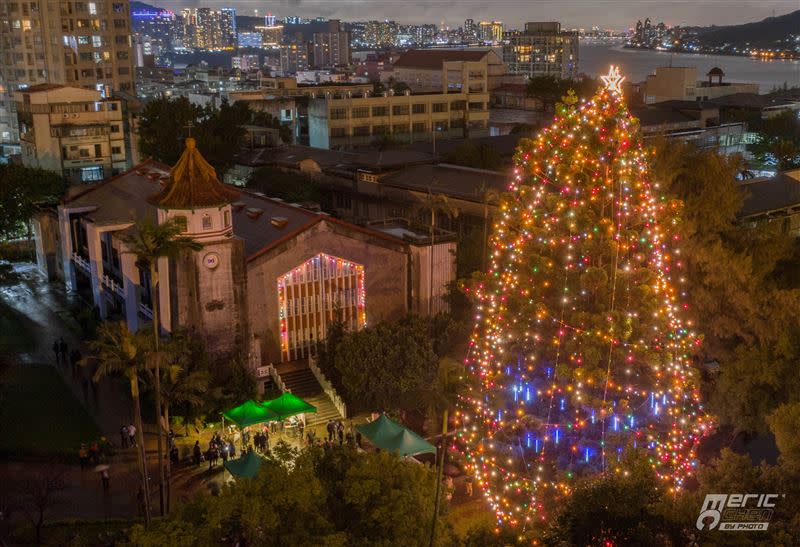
[{"x": 46, "y": 306}]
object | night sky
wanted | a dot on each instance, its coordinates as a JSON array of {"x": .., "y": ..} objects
[{"x": 616, "y": 14}]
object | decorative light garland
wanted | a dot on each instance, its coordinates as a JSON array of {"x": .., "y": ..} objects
[{"x": 579, "y": 350}]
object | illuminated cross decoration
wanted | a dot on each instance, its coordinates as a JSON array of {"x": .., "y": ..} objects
[{"x": 613, "y": 79}]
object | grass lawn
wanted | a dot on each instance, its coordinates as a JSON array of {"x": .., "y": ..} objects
[
  {"x": 40, "y": 417},
  {"x": 16, "y": 332},
  {"x": 466, "y": 516},
  {"x": 76, "y": 532}
]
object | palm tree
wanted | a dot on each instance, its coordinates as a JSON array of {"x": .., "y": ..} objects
[
  {"x": 433, "y": 204},
  {"x": 149, "y": 242},
  {"x": 182, "y": 383},
  {"x": 119, "y": 351},
  {"x": 489, "y": 196},
  {"x": 440, "y": 397}
]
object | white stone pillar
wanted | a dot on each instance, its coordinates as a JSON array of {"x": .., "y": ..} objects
[
  {"x": 130, "y": 287},
  {"x": 163, "y": 294},
  {"x": 66, "y": 249},
  {"x": 96, "y": 267}
]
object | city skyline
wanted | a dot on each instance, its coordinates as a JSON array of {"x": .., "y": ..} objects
[{"x": 616, "y": 14}]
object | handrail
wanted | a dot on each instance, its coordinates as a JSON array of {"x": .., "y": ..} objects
[{"x": 327, "y": 387}]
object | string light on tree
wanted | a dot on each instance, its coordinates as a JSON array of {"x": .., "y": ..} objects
[{"x": 579, "y": 351}]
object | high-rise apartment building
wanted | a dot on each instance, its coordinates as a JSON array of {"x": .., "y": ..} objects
[
  {"x": 470, "y": 33},
  {"x": 380, "y": 33},
  {"x": 332, "y": 47},
  {"x": 227, "y": 28},
  {"x": 80, "y": 44},
  {"x": 490, "y": 32},
  {"x": 294, "y": 57},
  {"x": 543, "y": 49}
]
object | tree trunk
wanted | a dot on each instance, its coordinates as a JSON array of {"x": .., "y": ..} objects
[
  {"x": 168, "y": 463},
  {"x": 157, "y": 386},
  {"x": 439, "y": 473},
  {"x": 430, "y": 275},
  {"x": 141, "y": 455}
]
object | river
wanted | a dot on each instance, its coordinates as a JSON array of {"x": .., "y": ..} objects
[{"x": 594, "y": 59}]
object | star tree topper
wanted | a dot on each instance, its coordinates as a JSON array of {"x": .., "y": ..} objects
[{"x": 613, "y": 80}]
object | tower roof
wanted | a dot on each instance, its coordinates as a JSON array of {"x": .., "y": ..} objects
[{"x": 193, "y": 184}]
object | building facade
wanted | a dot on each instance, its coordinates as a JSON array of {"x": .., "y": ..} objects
[
  {"x": 294, "y": 57},
  {"x": 678, "y": 83},
  {"x": 543, "y": 49},
  {"x": 445, "y": 70},
  {"x": 269, "y": 278},
  {"x": 331, "y": 48},
  {"x": 81, "y": 44},
  {"x": 71, "y": 131},
  {"x": 340, "y": 123}
]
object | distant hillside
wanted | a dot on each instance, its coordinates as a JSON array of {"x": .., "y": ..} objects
[{"x": 767, "y": 33}]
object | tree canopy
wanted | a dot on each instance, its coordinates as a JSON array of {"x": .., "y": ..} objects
[
  {"x": 550, "y": 89},
  {"x": 777, "y": 140},
  {"x": 468, "y": 154},
  {"x": 22, "y": 189},
  {"x": 165, "y": 123},
  {"x": 291, "y": 186},
  {"x": 314, "y": 497},
  {"x": 744, "y": 309}
]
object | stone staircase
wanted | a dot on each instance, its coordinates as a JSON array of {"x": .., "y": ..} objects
[{"x": 301, "y": 382}]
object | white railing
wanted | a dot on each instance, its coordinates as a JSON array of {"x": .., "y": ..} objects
[
  {"x": 269, "y": 371},
  {"x": 144, "y": 310},
  {"x": 327, "y": 387},
  {"x": 113, "y": 285},
  {"x": 81, "y": 262}
]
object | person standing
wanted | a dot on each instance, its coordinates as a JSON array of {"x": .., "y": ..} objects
[
  {"x": 197, "y": 453},
  {"x": 57, "y": 351},
  {"x": 62, "y": 348},
  {"x": 132, "y": 434},
  {"x": 358, "y": 438},
  {"x": 123, "y": 436},
  {"x": 340, "y": 432},
  {"x": 83, "y": 456},
  {"x": 331, "y": 428},
  {"x": 468, "y": 484},
  {"x": 106, "y": 480}
]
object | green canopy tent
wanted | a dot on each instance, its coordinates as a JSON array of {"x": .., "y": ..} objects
[
  {"x": 388, "y": 435},
  {"x": 246, "y": 467},
  {"x": 288, "y": 405},
  {"x": 250, "y": 413}
]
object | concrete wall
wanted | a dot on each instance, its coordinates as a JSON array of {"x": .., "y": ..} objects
[
  {"x": 386, "y": 277},
  {"x": 46, "y": 236},
  {"x": 318, "y": 123},
  {"x": 212, "y": 301}
]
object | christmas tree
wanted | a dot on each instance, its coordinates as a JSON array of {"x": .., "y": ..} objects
[{"x": 579, "y": 351}]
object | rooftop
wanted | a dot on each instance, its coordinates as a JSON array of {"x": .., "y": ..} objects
[
  {"x": 41, "y": 87},
  {"x": 767, "y": 195},
  {"x": 261, "y": 222},
  {"x": 192, "y": 184},
  {"x": 291, "y": 156},
  {"x": 452, "y": 180},
  {"x": 432, "y": 59}
]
